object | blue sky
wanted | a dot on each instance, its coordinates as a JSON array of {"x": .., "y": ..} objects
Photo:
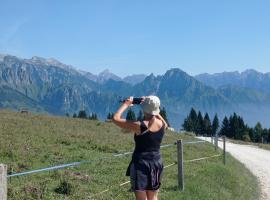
[{"x": 142, "y": 36}]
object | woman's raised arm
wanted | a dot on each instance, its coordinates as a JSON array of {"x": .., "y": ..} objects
[{"x": 123, "y": 123}]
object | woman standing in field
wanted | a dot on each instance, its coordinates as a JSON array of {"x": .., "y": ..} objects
[{"x": 145, "y": 168}]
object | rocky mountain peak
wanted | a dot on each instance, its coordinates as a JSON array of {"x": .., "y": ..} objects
[
  {"x": 150, "y": 77},
  {"x": 2, "y": 56},
  {"x": 106, "y": 71},
  {"x": 10, "y": 59},
  {"x": 49, "y": 62},
  {"x": 53, "y": 61},
  {"x": 134, "y": 79},
  {"x": 251, "y": 73},
  {"x": 175, "y": 72},
  {"x": 44, "y": 61},
  {"x": 106, "y": 75},
  {"x": 38, "y": 59}
]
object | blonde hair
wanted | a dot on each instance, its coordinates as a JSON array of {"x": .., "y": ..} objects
[{"x": 152, "y": 120}]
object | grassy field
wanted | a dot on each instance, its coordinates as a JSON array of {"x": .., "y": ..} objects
[{"x": 34, "y": 141}]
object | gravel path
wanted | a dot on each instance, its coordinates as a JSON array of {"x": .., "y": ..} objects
[{"x": 255, "y": 159}]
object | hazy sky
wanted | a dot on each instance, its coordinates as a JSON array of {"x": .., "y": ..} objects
[{"x": 131, "y": 37}]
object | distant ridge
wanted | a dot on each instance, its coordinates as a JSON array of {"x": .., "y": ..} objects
[
  {"x": 248, "y": 79},
  {"x": 47, "y": 85}
]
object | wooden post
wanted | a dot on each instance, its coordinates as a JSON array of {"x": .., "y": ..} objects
[
  {"x": 3, "y": 182},
  {"x": 211, "y": 139},
  {"x": 216, "y": 142},
  {"x": 180, "y": 159},
  {"x": 224, "y": 150}
]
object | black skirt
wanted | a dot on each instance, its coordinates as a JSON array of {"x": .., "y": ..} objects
[{"x": 145, "y": 171}]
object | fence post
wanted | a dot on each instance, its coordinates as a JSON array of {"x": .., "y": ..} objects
[
  {"x": 180, "y": 165},
  {"x": 224, "y": 150},
  {"x": 3, "y": 182},
  {"x": 211, "y": 139},
  {"x": 216, "y": 142}
]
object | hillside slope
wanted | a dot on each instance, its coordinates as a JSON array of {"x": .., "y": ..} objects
[{"x": 37, "y": 141}]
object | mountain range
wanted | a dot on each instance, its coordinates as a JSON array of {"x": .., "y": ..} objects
[
  {"x": 49, "y": 86},
  {"x": 247, "y": 79}
]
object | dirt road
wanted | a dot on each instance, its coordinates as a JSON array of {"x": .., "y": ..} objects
[{"x": 255, "y": 159}]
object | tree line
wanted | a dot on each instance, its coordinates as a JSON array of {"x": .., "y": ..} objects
[
  {"x": 83, "y": 115},
  {"x": 232, "y": 127},
  {"x": 129, "y": 116},
  {"x": 139, "y": 117}
]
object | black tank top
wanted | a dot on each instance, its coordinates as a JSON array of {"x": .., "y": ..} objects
[{"x": 148, "y": 141}]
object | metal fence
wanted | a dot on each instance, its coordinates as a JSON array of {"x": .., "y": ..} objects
[{"x": 180, "y": 163}]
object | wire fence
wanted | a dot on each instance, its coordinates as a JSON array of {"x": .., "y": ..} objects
[
  {"x": 203, "y": 158},
  {"x": 77, "y": 163},
  {"x": 179, "y": 162},
  {"x": 125, "y": 183},
  {"x": 180, "y": 178},
  {"x": 88, "y": 161}
]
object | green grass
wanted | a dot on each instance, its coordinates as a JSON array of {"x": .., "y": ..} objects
[{"x": 34, "y": 141}]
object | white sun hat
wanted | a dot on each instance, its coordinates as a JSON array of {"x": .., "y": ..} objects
[{"x": 151, "y": 105}]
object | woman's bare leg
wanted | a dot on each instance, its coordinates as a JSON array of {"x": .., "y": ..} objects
[
  {"x": 152, "y": 195},
  {"x": 140, "y": 195}
]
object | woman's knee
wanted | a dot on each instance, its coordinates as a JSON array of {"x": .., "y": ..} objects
[
  {"x": 140, "y": 195},
  {"x": 152, "y": 195}
]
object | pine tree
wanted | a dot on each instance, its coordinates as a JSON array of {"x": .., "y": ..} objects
[
  {"x": 190, "y": 123},
  {"x": 251, "y": 134},
  {"x": 82, "y": 114},
  {"x": 215, "y": 125},
  {"x": 109, "y": 116},
  {"x": 74, "y": 115},
  {"x": 237, "y": 127},
  {"x": 199, "y": 130},
  {"x": 225, "y": 127},
  {"x": 95, "y": 116},
  {"x": 194, "y": 119},
  {"x": 163, "y": 113},
  {"x": 264, "y": 135},
  {"x": 258, "y": 132},
  {"x": 140, "y": 116},
  {"x": 131, "y": 115},
  {"x": 233, "y": 126},
  {"x": 187, "y": 124},
  {"x": 268, "y": 137},
  {"x": 246, "y": 136},
  {"x": 243, "y": 129},
  {"x": 207, "y": 127}
]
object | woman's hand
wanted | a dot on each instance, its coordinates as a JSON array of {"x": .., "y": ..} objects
[
  {"x": 129, "y": 101},
  {"x": 143, "y": 98},
  {"x": 123, "y": 123},
  {"x": 123, "y": 107}
]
